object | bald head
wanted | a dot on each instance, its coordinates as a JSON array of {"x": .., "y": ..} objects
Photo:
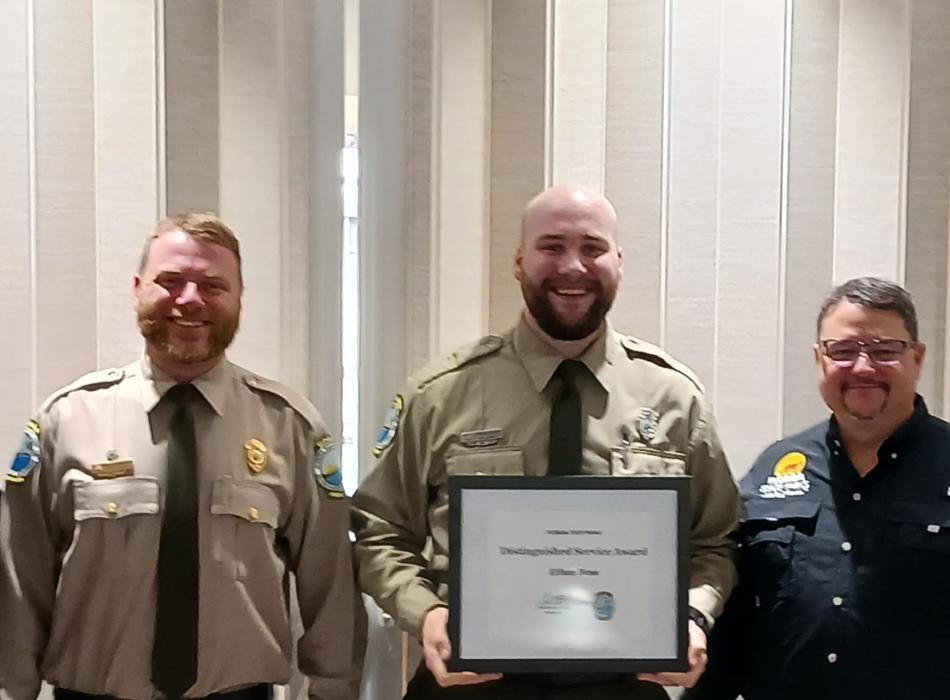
[{"x": 569, "y": 202}]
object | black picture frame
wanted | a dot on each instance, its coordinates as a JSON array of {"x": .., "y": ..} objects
[{"x": 459, "y": 615}]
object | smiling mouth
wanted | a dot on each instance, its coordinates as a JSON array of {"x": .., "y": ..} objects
[
  {"x": 570, "y": 292},
  {"x": 187, "y": 324}
]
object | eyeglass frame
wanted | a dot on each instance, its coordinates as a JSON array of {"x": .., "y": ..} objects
[{"x": 865, "y": 348}]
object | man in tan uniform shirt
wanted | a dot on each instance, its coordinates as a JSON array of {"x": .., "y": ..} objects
[
  {"x": 485, "y": 409},
  {"x": 85, "y": 498}
]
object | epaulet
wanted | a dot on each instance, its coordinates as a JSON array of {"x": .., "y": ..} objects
[
  {"x": 99, "y": 379},
  {"x": 297, "y": 402},
  {"x": 640, "y": 348},
  {"x": 458, "y": 358}
]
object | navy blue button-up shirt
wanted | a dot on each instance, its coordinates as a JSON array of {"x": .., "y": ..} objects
[{"x": 844, "y": 581}]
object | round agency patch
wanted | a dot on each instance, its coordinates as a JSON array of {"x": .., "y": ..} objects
[
  {"x": 390, "y": 425},
  {"x": 27, "y": 455},
  {"x": 326, "y": 467}
]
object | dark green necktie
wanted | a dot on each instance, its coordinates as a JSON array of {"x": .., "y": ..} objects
[
  {"x": 175, "y": 655},
  {"x": 564, "y": 446}
]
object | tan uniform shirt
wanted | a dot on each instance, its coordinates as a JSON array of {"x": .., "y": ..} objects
[
  {"x": 79, "y": 554},
  {"x": 503, "y": 383}
]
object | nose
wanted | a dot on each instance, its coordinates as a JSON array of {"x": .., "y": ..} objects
[
  {"x": 571, "y": 262},
  {"x": 863, "y": 364},
  {"x": 190, "y": 295}
]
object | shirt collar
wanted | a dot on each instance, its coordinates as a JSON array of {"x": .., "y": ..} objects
[
  {"x": 541, "y": 359},
  {"x": 213, "y": 385}
]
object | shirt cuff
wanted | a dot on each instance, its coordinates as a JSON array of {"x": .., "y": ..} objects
[
  {"x": 706, "y": 600},
  {"x": 413, "y": 610}
]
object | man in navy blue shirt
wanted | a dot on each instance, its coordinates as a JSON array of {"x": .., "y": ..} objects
[{"x": 844, "y": 577}]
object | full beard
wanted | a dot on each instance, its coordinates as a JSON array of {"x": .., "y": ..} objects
[
  {"x": 155, "y": 330},
  {"x": 549, "y": 320}
]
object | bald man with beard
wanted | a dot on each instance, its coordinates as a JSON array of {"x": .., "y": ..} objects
[{"x": 569, "y": 265}]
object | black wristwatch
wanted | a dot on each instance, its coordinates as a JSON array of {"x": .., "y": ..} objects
[{"x": 701, "y": 620}]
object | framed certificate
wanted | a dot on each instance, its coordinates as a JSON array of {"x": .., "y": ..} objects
[{"x": 568, "y": 575}]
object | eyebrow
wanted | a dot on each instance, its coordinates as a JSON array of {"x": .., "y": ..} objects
[{"x": 562, "y": 236}]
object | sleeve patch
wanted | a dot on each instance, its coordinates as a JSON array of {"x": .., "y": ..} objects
[
  {"x": 390, "y": 425},
  {"x": 27, "y": 456},
  {"x": 326, "y": 467}
]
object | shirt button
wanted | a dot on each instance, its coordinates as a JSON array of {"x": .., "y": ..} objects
[
  {"x": 112, "y": 508},
  {"x": 893, "y": 455},
  {"x": 836, "y": 453},
  {"x": 837, "y": 443},
  {"x": 845, "y": 546},
  {"x": 837, "y": 601},
  {"x": 253, "y": 513},
  {"x": 832, "y": 658},
  {"x": 855, "y": 496}
]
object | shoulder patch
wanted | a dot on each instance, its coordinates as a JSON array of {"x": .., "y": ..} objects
[
  {"x": 640, "y": 348},
  {"x": 390, "y": 425},
  {"x": 326, "y": 467},
  {"x": 459, "y": 358},
  {"x": 27, "y": 455},
  {"x": 93, "y": 380},
  {"x": 297, "y": 402}
]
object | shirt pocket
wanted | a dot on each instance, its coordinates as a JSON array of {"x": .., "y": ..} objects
[
  {"x": 244, "y": 527},
  {"x": 771, "y": 533},
  {"x": 492, "y": 461},
  {"x": 633, "y": 460},
  {"x": 919, "y": 539},
  {"x": 117, "y": 525}
]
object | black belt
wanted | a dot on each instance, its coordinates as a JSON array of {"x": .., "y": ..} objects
[{"x": 254, "y": 692}]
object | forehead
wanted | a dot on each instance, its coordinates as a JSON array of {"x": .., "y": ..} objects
[
  {"x": 568, "y": 221},
  {"x": 179, "y": 252},
  {"x": 847, "y": 320}
]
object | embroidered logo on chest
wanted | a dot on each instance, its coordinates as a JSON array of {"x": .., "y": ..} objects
[{"x": 788, "y": 478}]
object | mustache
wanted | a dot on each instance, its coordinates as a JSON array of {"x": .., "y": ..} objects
[{"x": 867, "y": 385}]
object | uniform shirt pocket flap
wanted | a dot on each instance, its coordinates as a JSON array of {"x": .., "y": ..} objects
[
  {"x": 928, "y": 515},
  {"x": 921, "y": 525},
  {"x": 773, "y": 511},
  {"x": 250, "y": 501},
  {"x": 495, "y": 461},
  {"x": 115, "y": 498},
  {"x": 656, "y": 463},
  {"x": 777, "y": 522}
]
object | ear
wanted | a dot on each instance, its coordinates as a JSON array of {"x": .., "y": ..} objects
[
  {"x": 920, "y": 350},
  {"x": 519, "y": 264},
  {"x": 136, "y": 289},
  {"x": 620, "y": 260}
]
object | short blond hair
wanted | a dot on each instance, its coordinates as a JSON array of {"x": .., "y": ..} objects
[{"x": 205, "y": 226}]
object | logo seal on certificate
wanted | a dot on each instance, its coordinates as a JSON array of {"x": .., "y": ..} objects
[{"x": 568, "y": 575}]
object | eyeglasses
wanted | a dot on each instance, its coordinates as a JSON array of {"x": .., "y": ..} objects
[{"x": 879, "y": 351}]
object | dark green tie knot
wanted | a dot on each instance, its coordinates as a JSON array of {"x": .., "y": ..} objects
[
  {"x": 570, "y": 370},
  {"x": 181, "y": 395}
]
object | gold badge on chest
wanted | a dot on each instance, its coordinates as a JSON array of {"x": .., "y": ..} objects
[{"x": 255, "y": 454}]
